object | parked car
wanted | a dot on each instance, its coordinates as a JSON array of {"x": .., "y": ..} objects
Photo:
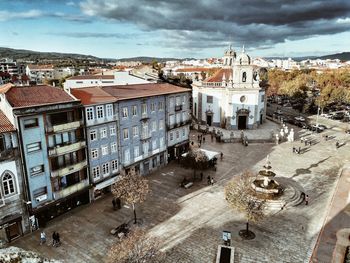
[
  {"x": 278, "y": 112},
  {"x": 338, "y": 116},
  {"x": 326, "y": 115},
  {"x": 316, "y": 128},
  {"x": 299, "y": 118}
]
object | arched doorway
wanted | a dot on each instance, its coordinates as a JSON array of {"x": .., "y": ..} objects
[
  {"x": 209, "y": 119},
  {"x": 242, "y": 119}
]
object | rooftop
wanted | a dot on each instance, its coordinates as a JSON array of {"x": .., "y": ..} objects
[
  {"x": 40, "y": 67},
  {"x": 5, "y": 124},
  {"x": 217, "y": 77},
  {"x": 95, "y": 95},
  {"x": 193, "y": 69},
  {"x": 86, "y": 77},
  {"x": 28, "y": 96}
]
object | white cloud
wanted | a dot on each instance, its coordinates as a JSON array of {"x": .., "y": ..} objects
[
  {"x": 70, "y": 3},
  {"x": 6, "y": 15}
]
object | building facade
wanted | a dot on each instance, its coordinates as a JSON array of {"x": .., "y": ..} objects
[
  {"x": 53, "y": 148},
  {"x": 13, "y": 216},
  {"x": 232, "y": 97}
]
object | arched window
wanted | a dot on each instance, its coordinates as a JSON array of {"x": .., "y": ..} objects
[
  {"x": 8, "y": 184},
  {"x": 244, "y": 77}
]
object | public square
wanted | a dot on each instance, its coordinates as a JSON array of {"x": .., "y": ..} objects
[{"x": 189, "y": 222}]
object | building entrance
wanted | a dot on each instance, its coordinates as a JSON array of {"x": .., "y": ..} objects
[
  {"x": 209, "y": 119},
  {"x": 242, "y": 122}
]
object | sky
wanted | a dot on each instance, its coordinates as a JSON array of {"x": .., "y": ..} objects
[{"x": 177, "y": 28}]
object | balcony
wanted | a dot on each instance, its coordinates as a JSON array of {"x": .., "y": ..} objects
[
  {"x": 138, "y": 158},
  {"x": 178, "y": 107},
  {"x": 69, "y": 169},
  {"x": 8, "y": 154},
  {"x": 145, "y": 136},
  {"x": 155, "y": 151},
  {"x": 65, "y": 127},
  {"x": 59, "y": 150},
  {"x": 71, "y": 189},
  {"x": 144, "y": 117}
]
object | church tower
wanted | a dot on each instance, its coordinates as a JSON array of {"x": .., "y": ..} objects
[{"x": 229, "y": 57}]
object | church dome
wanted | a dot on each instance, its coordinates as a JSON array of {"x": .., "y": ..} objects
[
  {"x": 243, "y": 59},
  {"x": 230, "y": 52}
]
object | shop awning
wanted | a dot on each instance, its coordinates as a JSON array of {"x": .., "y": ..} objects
[
  {"x": 107, "y": 182},
  {"x": 209, "y": 154}
]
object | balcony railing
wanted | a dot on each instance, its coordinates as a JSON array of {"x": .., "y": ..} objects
[
  {"x": 59, "y": 150},
  {"x": 178, "y": 107},
  {"x": 65, "y": 126},
  {"x": 138, "y": 158},
  {"x": 71, "y": 189},
  {"x": 144, "y": 117},
  {"x": 145, "y": 136},
  {"x": 69, "y": 169},
  {"x": 155, "y": 151}
]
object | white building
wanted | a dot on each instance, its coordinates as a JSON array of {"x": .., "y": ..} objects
[
  {"x": 232, "y": 97},
  {"x": 38, "y": 73}
]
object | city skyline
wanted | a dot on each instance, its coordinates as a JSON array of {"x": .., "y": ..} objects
[{"x": 112, "y": 29}]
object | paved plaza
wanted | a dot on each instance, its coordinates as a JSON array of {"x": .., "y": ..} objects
[{"x": 189, "y": 222}]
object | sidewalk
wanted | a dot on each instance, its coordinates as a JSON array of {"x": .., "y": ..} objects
[{"x": 335, "y": 234}]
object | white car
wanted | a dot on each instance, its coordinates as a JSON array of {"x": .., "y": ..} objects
[
  {"x": 299, "y": 118},
  {"x": 326, "y": 115}
]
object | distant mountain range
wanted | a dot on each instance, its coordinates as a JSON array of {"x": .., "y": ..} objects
[{"x": 28, "y": 55}]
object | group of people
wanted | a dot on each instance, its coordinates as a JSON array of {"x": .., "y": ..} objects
[
  {"x": 116, "y": 203},
  {"x": 55, "y": 238},
  {"x": 296, "y": 150},
  {"x": 201, "y": 138},
  {"x": 210, "y": 180}
]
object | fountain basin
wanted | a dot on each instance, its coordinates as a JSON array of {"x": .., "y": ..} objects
[{"x": 272, "y": 187}]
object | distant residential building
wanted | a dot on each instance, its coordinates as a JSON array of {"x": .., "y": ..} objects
[
  {"x": 13, "y": 215},
  {"x": 39, "y": 73},
  {"x": 53, "y": 148},
  {"x": 9, "y": 66},
  {"x": 62, "y": 72}
]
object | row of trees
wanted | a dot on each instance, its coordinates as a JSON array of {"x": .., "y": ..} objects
[{"x": 334, "y": 85}]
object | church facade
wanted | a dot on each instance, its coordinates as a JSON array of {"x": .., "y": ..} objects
[{"x": 231, "y": 98}]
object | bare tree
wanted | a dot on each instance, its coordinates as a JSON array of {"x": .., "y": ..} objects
[
  {"x": 240, "y": 196},
  {"x": 132, "y": 189},
  {"x": 136, "y": 248}
]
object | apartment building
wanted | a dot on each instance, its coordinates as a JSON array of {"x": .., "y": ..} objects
[
  {"x": 13, "y": 216},
  {"x": 52, "y": 145},
  {"x": 38, "y": 73},
  {"x": 101, "y": 116}
]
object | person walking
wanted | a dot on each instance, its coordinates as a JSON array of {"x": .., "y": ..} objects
[
  {"x": 299, "y": 150},
  {"x": 114, "y": 203},
  {"x": 203, "y": 139},
  {"x": 58, "y": 241},
  {"x": 293, "y": 149},
  {"x": 54, "y": 238},
  {"x": 306, "y": 199},
  {"x": 208, "y": 180},
  {"x": 118, "y": 203},
  {"x": 337, "y": 145},
  {"x": 42, "y": 237},
  {"x": 212, "y": 137},
  {"x": 221, "y": 156},
  {"x": 201, "y": 176},
  {"x": 212, "y": 181}
]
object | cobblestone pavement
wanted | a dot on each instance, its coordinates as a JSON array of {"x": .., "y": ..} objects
[{"x": 189, "y": 222}]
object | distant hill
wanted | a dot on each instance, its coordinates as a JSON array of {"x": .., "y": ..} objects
[
  {"x": 344, "y": 56},
  {"x": 29, "y": 55}
]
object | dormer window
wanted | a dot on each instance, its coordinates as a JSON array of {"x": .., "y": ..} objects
[{"x": 244, "y": 77}]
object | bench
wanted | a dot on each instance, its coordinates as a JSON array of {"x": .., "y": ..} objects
[
  {"x": 188, "y": 185},
  {"x": 120, "y": 230}
]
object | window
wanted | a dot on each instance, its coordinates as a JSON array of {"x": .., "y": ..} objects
[
  {"x": 153, "y": 106},
  {"x": 262, "y": 98},
  {"x": 135, "y": 131},
  {"x": 127, "y": 155},
  {"x": 93, "y": 135},
  {"x": 103, "y": 132},
  {"x": 209, "y": 99},
  {"x": 8, "y": 184},
  {"x": 183, "y": 132},
  {"x": 113, "y": 147},
  {"x": 112, "y": 130},
  {"x": 145, "y": 130},
  {"x": 99, "y": 110},
  {"x": 89, "y": 114},
  {"x": 171, "y": 136},
  {"x": 154, "y": 144},
  {"x": 177, "y": 134},
  {"x": 172, "y": 119},
  {"x": 178, "y": 117},
  {"x": 144, "y": 109},
  {"x": 40, "y": 192},
  {"x": 36, "y": 170},
  {"x": 2, "y": 143},
  {"x": 105, "y": 168},
  {"x": 145, "y": 147},
  {"x": 31, "y": 123},
  {"x": 184, "y": 116},
  {"x": 161, "y": 142},
  {"x": 154, "y": 126},
  {"x": 114, "y": 165},
  {"x": 125, "y": 134},
  {"x": 161, "y": 124},
  {"x": 136, "y": 151},
  {"x": 125, "y": 112},
  {"x": 178, "y": 100},
  {"x": 94, "y": 153},
  {"x": 134, "y": 110},
  {"x": 33, "y": 147},
  {"x": 244, "y": 77},
  {"x": 96, "y": 172},
  {"x": 109, "y": 110},
  {"x": 171, "y": 103},
  {"x": 161, "y": 105},
  {"x": 183, "y": 99},
  {"x": 104, "y": 150}
]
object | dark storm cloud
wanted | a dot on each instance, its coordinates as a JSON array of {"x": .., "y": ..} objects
[{"x": 256, "y": 23}]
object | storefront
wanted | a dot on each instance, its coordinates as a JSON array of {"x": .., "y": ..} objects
[
  {"x": 104, "y": 187},
  {"x": 11, "y": 227},
  {"x": 174, "y": 152}
]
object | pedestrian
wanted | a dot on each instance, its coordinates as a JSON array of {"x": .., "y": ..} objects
[
  {"x": 208, "y": 180},
  {"x": 221, "y": 156},
  {"x": 42, "y": 237},
  {"x": 306, "y": 142},
  {"x": 301, "y": 139},
  {"x": 54, "y": 238},
  {"x": 203, "y": 139},
  {"x": 114, "y": 203},
  {"x": 212, "y": 137},
  {"x": 306, "y": 199},
  {"x": 293, "y": 149},
  {"x": 299, "y": 150},
  {"x": 198, "y": 136},
  {"x": 58, "y": 241},
  {"x": 201, "y": 176},
  {"x": 337, "y": 145},
  {"x": 212, "y": 181},
  {"x": 119, "y": 204},
  {"x": 302, "y": 195},
  {"x": 326, "y": 137}
]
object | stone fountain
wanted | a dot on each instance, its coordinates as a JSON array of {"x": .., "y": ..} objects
[{"x": 264, "y": 184}]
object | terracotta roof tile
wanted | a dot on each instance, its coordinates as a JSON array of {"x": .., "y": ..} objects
[
  {"x": 87, "y": 77},
  {"x": 4, "y": 88},
  {"x": 92, "y": 95},
  {"x": 28, "y": 96},
  {"x": 217, "y": 77},
  {"x": 5, "y": 124},
  {"x": 197, "y": 69}
]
